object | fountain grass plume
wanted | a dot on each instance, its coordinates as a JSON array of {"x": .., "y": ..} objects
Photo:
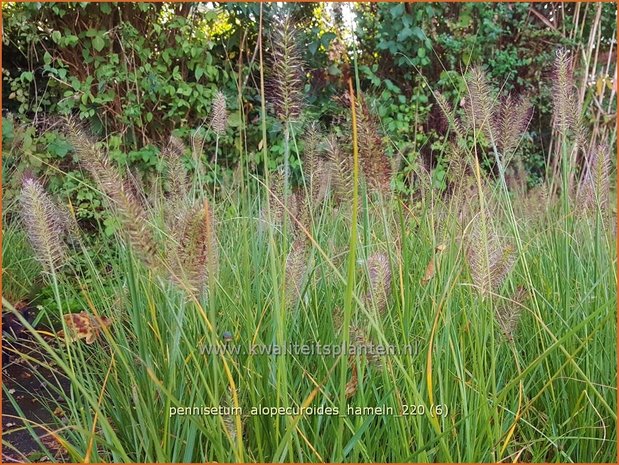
[
  {"x": 513, "y": 121},
  {"x": 341, "y": 168},
  {"x": 453, "y": 122},
  {"x": 286, "y": 81},
  {"x": 133, "y": 217},
  {"x": 176, "y": 173},
  {"x": 490, "y": 259},
  {"x": 219, "y": 114},
  {"x": 563, "y": 94},
  {"x": 193, "y": 250},
  {"x": 594, "y": 187},
  {"x": 375, "y": 164},
  {"x": 509, "y": 312},
  {"x": 379, "y": 281},
  {"x": 44, "y": 224},
  {"x": 480, "y": 108},
  {"x": 315, "y": 166}
]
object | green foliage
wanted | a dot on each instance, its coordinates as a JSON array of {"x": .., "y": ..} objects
[
  {"x": 20, "y": 270},
  {"x": 538, "y": 387},
  {"x": 134, "y": 73},
  {"x": 410, "y": 51},
  {"x": 150, "y": 359},
  {"x": 151, "y": 71}
]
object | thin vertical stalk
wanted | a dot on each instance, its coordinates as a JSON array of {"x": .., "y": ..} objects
[
  {"x": 565, "y": 198},
  {"x": 216, "y": 156},
  {"x": 352, "y": 254},
  {"x": 286, "y": 161},
  {"x": 278, "y": 307}
]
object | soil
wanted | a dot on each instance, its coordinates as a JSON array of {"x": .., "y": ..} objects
[{"x": 31, "y": 386}]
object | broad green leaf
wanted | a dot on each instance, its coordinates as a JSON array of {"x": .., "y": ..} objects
[{"x": 98, "y": 43}]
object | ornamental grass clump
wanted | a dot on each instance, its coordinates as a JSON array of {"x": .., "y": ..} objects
[{"x": 478, "y": 306}]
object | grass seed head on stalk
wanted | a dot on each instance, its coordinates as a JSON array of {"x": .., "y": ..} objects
[
  {"x": 276, "y": 196},
  {"x": 563, "y": 95},
  {"x": 360, "y": 340},
  {"x": 176, "y": 174},
  {"x": 602, "y": 176},
  {"x": 197, "y": 145},
  {"x": 594, "y": 186},
  {"x": 132, "y": 214},
  {"x": 341, "y": 169},
  {"x": 490, "y": 260},
  {"x": 287, "y": 71},
  {"x": 300, "y": 214},
  {"x": 480, "y": 107},
  {"x": 464, "y": 195},
  {"x": 537, "y": 201},
  {"x": 44, "y": 224},
  {"x": 194, "y": 248},
  {"x": 508, "y": 313},
  {"x": 229, "y": 420},
  {"x": 315, "y": 168},
  {"x": 453, "y": 122},
  {"x": 374, "y": 163},
  {"x": 379, "y": 281},
  {"x": 513, "y": 122},
  {"x": 296, "y": 262},
  {"x": 219, "y": 118},
  {"x": 353, "y": 383}
]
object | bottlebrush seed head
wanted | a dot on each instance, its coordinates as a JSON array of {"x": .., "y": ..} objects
[
  {"x": 44, "y": 224},
  {"x": 219, "y": 119}
]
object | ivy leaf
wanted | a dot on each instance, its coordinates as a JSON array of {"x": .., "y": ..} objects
[
  {"x": 405, "y": 34},
  {"x": 234, "y": 120},
  {"x": 417, "y": 31},
  {"x": 59, "y": 148},
  {"x": 333, "y": 70},
  {"x": 111, "y": 225},
  {"x": 8, "y": 130},
  {"x": 313, "y": 47},
  {"x": 199, "y": 72},
  {"x": 397, "y": 10},
  {"x": 326, "y": 38},
  {"x": 98, "y": 43},
  {"x": 69, "y": 40}
]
